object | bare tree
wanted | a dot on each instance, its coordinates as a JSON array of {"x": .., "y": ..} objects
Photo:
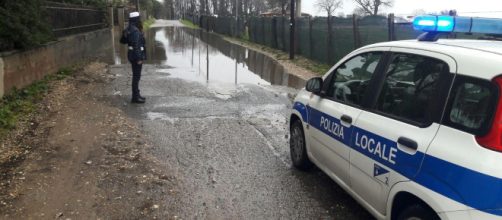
[
  {"x": 417, "y": 12},
  {"x": 222, "y": 7},
  {"x": 372, "y": 7},
  {"x": 329, "y": 6},
  {"x": 282, "y": 4},
  {"x": 448, "y": 12}
]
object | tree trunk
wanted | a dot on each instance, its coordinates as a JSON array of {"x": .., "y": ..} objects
[
  {"x": 215, "y": 7},
  {"x": 207, "y": 8},
  {"x": 222, "y": 10}
]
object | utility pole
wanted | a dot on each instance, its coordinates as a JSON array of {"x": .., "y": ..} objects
[
  {"x": 236, "y": 18},
  {"x": 298, "y": 8},
  {"x": 292, "y": 25},
  {"x": 137, "y": 5}
]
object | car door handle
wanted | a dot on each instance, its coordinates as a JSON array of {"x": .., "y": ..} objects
[
  {"x": 347, "y": 119},
  {"x": 411, "y": 144}
]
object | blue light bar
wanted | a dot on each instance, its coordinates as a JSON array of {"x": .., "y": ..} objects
[
  {"x": 435, "y": 25},
  {"x": 432, "y": 23}
]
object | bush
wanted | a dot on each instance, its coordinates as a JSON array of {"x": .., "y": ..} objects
[{"x": 22, "y": 24}]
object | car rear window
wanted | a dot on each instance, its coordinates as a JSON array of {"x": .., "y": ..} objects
[{"x": 471, "y": 105}]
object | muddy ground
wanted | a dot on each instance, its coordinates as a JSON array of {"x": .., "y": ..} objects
[{"x": 78, "y": 157}]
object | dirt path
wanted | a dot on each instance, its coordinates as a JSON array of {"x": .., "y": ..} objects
[{"x": 81, "y": 158}]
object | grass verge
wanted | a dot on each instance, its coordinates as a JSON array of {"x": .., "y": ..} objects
[
  {"x": 21, "y": 102},
  {"x": 148, "y": 23},
  {"x": 301, "y": 61},
  {"x": 189, "y": 24}
]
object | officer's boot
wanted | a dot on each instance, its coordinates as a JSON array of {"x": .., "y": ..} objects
[
  {"x": 136, "y": 98},
  {"x": 141, "y": 97}
]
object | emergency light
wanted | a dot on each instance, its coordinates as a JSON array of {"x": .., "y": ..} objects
[{"x": 437, "y": 24}]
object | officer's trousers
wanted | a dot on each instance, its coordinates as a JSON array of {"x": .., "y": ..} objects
[{"x": 136, "y": 77}]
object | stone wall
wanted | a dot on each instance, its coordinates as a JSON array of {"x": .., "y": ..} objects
[{"x": 21, "y": 68}]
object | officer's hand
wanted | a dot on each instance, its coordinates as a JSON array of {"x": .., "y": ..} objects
[{"x": 140, "y": 62}]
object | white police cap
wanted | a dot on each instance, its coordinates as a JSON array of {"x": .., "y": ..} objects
[{"x": 133, "y": 14}]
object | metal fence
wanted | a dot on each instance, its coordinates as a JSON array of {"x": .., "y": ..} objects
[
  {"x": 68, "y": 19},
  {"x": 222, "y": 25},
  {"x": 312, "y": 38}
]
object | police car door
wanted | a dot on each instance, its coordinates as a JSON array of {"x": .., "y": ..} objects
[
  {"x": 333, "y": 112},
  {"x": 392, "y": 136}
]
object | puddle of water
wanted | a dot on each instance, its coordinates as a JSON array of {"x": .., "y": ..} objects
[
  {"x": 204, "y": 57},
  {"x": 152, "y": 116}
]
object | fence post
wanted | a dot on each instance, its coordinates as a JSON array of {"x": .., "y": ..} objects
[
  {"x": 292, "y": 31},
  {"x": 330, "y": 41},
  {"x": 390, "y": 23},
  {"x": 355, "y": 30},
  {"x": 311, "y": 42},
  {"x": 274, "y": 32},
  {"x": 263, "y": 38},
  {"x": 250, "y": 28},
  {"x": 297, "y": 36},
  {"x": 283, "y": 30},
  {"x": 208, "y": 18},
  {"x": 236, "y": 27}
]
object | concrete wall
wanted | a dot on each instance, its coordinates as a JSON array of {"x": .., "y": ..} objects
[{"x": 21, "y": 68}]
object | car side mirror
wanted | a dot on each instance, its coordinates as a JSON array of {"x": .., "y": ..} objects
[{"x": 314, "y": 85}]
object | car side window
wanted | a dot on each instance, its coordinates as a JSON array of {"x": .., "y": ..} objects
[
  {"x": 351, "y": 79},
  {"x": 471, "y": 105},
  {"x": 411, "y": 82}
]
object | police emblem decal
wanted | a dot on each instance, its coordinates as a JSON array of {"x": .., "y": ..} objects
[{"x": 381, "y": 174}]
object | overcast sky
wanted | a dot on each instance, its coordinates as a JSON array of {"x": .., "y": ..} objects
[{"x": 463, "y": 7}]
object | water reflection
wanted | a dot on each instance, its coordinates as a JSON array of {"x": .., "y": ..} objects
[{"x": 205, "y": 57}]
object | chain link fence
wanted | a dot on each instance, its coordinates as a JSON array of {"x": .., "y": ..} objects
[{"x": 313, "y": 39}]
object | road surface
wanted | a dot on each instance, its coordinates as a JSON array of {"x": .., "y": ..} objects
[{"x": 225, "y": 134}]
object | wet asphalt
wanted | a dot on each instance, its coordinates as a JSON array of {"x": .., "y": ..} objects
[{"x": 222, "y": 128}]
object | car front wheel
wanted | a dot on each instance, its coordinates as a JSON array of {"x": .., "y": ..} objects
[
  {"x": 418, "y": 212},
  {"x": 298, "y": 147}
]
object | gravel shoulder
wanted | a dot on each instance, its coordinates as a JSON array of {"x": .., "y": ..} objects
[{"x": 80, "y": 157}]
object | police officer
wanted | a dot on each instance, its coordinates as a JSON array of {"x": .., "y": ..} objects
[{"x": 136, "y": 54}]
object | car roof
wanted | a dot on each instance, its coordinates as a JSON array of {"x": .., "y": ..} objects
[{"x": 476, "y": 58}]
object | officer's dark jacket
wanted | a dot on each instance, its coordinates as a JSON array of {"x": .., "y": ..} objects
[{"x": 137, "y": 44}]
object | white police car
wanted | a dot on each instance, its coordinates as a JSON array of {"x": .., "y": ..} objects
[{"x": 411, "y": 129}]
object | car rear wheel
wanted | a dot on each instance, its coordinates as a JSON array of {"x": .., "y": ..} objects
[
  {"x": 298, "y": 147},
  {"x": 418, "y": 212}
]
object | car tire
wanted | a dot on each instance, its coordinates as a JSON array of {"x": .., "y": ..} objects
[
  {"x": 298, "y": 149},
  {"x": 418, "y": 212}
]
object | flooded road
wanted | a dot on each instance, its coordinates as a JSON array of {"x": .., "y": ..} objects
[
  {"x": 217, "y": 115},
  {"x": 200, "y": 56}
]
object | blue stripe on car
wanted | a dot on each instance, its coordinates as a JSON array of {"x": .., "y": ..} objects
[
  {"x": 466, "y": 186},
  {"x": 302, "y": 110}
]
